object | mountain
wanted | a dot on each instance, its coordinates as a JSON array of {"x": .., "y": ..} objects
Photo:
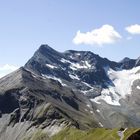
[{"x": 74, "y": 89}]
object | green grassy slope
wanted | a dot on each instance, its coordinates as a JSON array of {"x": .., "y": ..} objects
[{"x": 94, "y": 134}]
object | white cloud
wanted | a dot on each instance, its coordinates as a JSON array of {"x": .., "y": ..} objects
[
  {"x": 133, "y": 29},
  {"x": 104, "y": 35},
  {"x": 129, "y": 38},
  {"x": 6, "y": 69}
]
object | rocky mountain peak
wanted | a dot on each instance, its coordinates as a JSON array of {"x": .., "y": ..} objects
[
  {"x": 45, "y": 49},
  {"x": 125, "y": 60},
  {"x": 76, "y": 89},
  {"x": 45, "y": 52},
  {"x": 73, "y": 65},
  {"x": 127, "y": 63}
]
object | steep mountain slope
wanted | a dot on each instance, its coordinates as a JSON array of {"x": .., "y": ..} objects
[
  {"x": 30, "y": 102},
  {"x": 109, "y": 85},
  {"x": 73, "y": 89}
]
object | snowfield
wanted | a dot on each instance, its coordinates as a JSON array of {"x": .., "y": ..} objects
[{"x": 122, "y": 82}]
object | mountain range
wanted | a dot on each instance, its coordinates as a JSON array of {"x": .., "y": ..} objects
[{"x": 79, "y": 90}]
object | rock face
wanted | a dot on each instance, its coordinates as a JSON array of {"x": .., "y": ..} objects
[
  {"x": 35, "y": 103},
  {"x": 47, "y": 61},
  {"x": 128, "y": 63},
  {"x": 72, "y": 89}
]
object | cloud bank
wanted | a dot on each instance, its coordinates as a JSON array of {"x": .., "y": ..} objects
[
  {"x": 6, "y": 69},
  {"x": 133, "y": 29},
  {"x": 104, "y": 35}
]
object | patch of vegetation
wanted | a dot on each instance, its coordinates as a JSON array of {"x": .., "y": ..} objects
[{"x": 93, "y": 134}]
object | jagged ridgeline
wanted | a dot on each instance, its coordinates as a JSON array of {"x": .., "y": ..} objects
[{"x": 74, "y": 95}]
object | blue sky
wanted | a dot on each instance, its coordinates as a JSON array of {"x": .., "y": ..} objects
[{"x": 26, "y": 24}]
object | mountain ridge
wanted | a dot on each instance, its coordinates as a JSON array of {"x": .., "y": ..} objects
[{"x": 73, "y": 89}]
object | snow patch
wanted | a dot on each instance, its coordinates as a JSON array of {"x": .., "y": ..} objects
[
  {"x": 75, "y": 66},
  {"x": 101, "y": 124},
  {"x": 51, "y": 66},
  {"x": 87, "y": 64},
  {"x": 87, "y": 91},
  {"x": 78, "y": 54},
  {"x": 88, "y": 85},
  {"x": 106, "y": 95},
  {"x": 72, "y": 76},
  {"x": 34, "y": 75},
  {"x": 65, "y": 61},
  {"x": 98, "y": 110},
  {"x": 88, "y": 105},
  {"x": 122, "y": 82},
  {"x": 96, "y": 100},
  {"x": 138, "y": 87},
  {"x": 91, "y": 112},
  {"x": 54, "y": 78},
  {"x": 84, "y": 65}
]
